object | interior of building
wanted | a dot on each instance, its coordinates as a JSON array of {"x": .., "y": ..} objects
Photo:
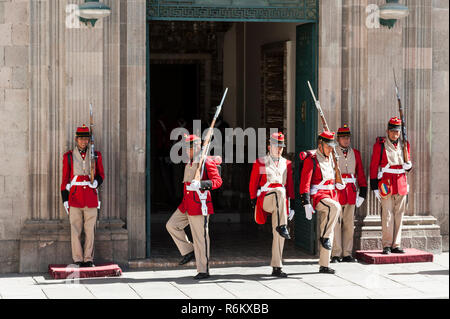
[{"x": 191, "y": 63}]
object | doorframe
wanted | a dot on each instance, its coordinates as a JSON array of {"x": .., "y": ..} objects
[{"x": 278, "y": 14}]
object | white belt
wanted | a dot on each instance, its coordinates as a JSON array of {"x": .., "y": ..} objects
[
  {"x": 349, "y": 180},
  {"x": 316, "y": 188},
  {"x": 388, "y": 170},
  {"x": 75, "y": 183},
  {"x": 266, "y": 188},
  {"x": 202, "y": 196}
]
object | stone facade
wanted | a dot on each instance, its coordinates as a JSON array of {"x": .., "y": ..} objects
[{"x": 49, "y": 73}]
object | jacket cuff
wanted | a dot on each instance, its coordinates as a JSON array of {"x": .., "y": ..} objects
[
  {"x": 305, "y": 199},
  {"x": 99, "y": 180},
  {"x": 363, "y": 192},
  {"x": 206, "y": 185},
  {"x": 65, "y": 195},
  {"x": 374, "y": 184}
]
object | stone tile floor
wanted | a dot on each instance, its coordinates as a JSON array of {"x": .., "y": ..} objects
[{"x": 240, "y": 270}]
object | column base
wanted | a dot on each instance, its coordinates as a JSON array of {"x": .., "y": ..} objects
[
  {"x": 421, "y": 232},
  {"x": 44, "y": 242}
]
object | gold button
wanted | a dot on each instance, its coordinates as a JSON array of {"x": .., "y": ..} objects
[
  {"x": 188, "y": 193},
  {"x": 84, "y": 187}
]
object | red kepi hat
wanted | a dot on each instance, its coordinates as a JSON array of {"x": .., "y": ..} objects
[
  {"x": 344, "y": 131},
  {"x": 83, "y": 131},
  {"x": 328, "y": 138},
  {"x": 395, "y": 124},
  {"x": 277, "y": 139},
  {"x": 191, "y": 139}
]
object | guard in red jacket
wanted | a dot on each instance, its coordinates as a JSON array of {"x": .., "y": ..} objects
[
  {"x": 80, "y": 196},
  {"x": 353, "y": 195},
  {"x": 389, "y": 182},
  {"x": 318, "y": 192},
  {"x": 271, "y": 193},
  {"x": 195, "y": 209}
]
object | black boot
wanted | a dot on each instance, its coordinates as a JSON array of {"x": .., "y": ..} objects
[
  {"x": 348, "y": 259},
  {"x": 386, "y": 250},
  {"x": 326, "y": 270},
  {"x": 278, "y": 273},
  {"x": 335, "y": 259},
  {"x": 326, "y": 243},
  {"x": 397, "y": 250},
  {"x": 282, "y": 230},
  {"x": 187, "y": 258},
  {"x": 202, "y": 275},
  {"x": 88, "y": 264}
]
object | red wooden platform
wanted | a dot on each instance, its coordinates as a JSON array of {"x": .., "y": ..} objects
[
  {"x": 411, "y": 255},
  {"x": 73, "y": 272}
]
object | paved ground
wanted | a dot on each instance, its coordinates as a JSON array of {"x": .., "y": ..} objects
[{"x": 356, "y": 281}]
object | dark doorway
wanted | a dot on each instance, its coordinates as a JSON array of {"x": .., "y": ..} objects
[{"x": 174, "y": 100}]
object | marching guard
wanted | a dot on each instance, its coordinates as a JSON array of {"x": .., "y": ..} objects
[
  {"x": 272, "y": 193},
  {"x": 318, "y": 193},
  {"x": 389, "y": 182},
  {"x": 189, "y": 212},
  {"x": 354, "y": 194},
  {"x": 80, "y": 195}
]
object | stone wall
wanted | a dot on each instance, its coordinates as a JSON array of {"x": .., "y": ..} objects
[
  {"x": 363, "y": 96},
  {"x": 440, "y": 119},
  {"x": 14, "y": 128}
]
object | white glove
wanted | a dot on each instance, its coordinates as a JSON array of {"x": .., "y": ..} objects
[
  {"x": 66, "y": 207},
  {"x": 94, "y": 184},
  {"x": 309, "y": 210},
  {"x": 291, "y": 214},
  {"x": 407, "y": 166},
  {"x": 359, "y": 201},
  {"x": 195, "y": 184},
  {"x": 340, "y": 186},
  {"x": 377, "y": 194}
]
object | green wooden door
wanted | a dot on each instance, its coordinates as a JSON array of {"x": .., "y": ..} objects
[{"x": 305, "y": 124}]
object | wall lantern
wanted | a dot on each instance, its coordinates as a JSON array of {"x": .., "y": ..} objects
[
  {"x": 392, "y": 11},
  {"x": 92, "y": 10}
]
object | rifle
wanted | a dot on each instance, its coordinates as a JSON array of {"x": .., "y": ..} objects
[
  {"x": 93, "y": 157},
  {"x": 402, "y": 117},
  {"x": 207, "y": 142},
  {"x": 335, "y": 155}
]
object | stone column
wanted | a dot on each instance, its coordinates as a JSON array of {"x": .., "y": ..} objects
[
  {"x": 439, "y": 193},
  {"x": 136, "y": 125},
  {"x": 330, "y": 42}
]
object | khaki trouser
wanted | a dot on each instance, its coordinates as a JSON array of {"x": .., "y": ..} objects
[
  {"x": 176, "y": 225},
  {"x": 392, "y": 210},
  {"x": 329, "y": 211},
  {"x": 82, "y": 219},
  {"x": 343, "y": 233},
  {"x": 279, "y": 217}
]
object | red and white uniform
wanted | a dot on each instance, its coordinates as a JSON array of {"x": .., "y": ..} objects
[
  {"x": 266, "y": 175},
  {"x": 191, "y": 202},
  {"x": 388, "y": 166},
  {"x": 319, "y": 181},
  {"x": 352, "y": 171},
  {"x": 76, "y": 179}
]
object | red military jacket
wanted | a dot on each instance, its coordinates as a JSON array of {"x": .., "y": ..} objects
[
  {"x": 312, "y": 175},
  {"x": 80, "y": 196},
  {"x": 258, "y": 179},
  {"x": 398, "y": 182},
  {"x": 191, "y": 202},
  {"x": 347, "y": 196}
]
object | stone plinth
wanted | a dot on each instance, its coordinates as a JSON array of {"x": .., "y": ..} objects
[
  {"x": 48, "y": 242},
  {"x": 419, "y": 232}
]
